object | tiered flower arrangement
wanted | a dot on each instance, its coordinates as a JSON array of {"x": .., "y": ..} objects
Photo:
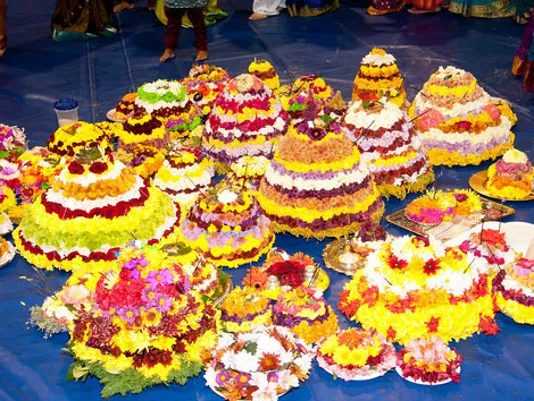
[
  {"x": 437, "y": 206},
  {"x": 146, "y": 328},
  {"x": 304, "y": 91},
  {"x": 379, "y": 75},
  {"x": 125, "y": 107},
  {"x": 227, "y": 227},
  {"x": 204, "y": 84},
  {"x": 514, "y": 290},
  {"x": 166, "y": 100},
  {"x": 413, "y": 288},
  {"x": 356, "y": 354},
  {"x": 429, "y": 362},
  {"x": 282, "y": 272},
  {"x": 244, "y": 309},
  {"x": 389, "y": 146},
  {"x": 95, "y": 206},
  {"x": 248, "y": 171},
  {"x": 306, "y": 313},
  {"x": 185, "y": 174},
  {"x": 316, "y": 186},
  {"x": 246, "y": 120},
  {"x": 258, "y": 366},
  {"x": 458, "y": 122},
  {"x": 512, "y": 176},
  {"x": 12, "y": 142},
  {"x": 70, "y": 139},
  {"x": 266, "y": 72}
]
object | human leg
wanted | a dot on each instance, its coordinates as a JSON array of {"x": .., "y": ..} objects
[
  {"x": 174, "y": 19},
  {"x": 199, "y": 26}
]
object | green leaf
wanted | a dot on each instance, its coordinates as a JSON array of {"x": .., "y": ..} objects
[
  {"x": 326, "y": 118},
  {"x": 251, "y": 348},
  {"x": 79, "y": 372},
  {"x": 334, "y": 376}
]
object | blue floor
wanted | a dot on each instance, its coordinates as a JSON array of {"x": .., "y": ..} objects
[{"x": 35, "y": 72}]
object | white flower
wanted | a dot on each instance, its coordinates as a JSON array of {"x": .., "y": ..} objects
[
  {"x": 245, "y": 362},
  {"x": 267, "y": 393},
  {"x": 225, "y": 340},
  {"x": 304, "y": 362},
  {"x": 228, "y": 359},
  {"x": 286, "y": 380},
  {"x": 226, "y": 196},
  {"x": 259, "y": 379},
  {"x": 210, "y": 376}
]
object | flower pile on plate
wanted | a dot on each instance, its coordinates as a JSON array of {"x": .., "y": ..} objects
[
  {"x": 243, "y": 309},
  {"x": 389, "y": 145},
  {"x": 95, "y": 206},
  {"x": 457, "y": 120},
  {"x": 246, "y": 120},
  {"x": 429, "y": 362},
  {"x": 225, "y": 224},
  {"x": 282, "y": 272},
  {"x": 258, "y": 366},
  {"x": 306, "y": 313},
  {"x": 147, "y": 327},
  {"x": 514, "y": 290},
  {"x": 125, "y": 107},
  {"x": 413, "y": 288},
  {"x": 437, "y": 206},
  {"x": 70, "y": 139},
  {"x": 204, "y": 83},
  {"x": 511, "y": 177},
  {"x": 356, "y": 354},
  {"x": 12, "y": 142},
  {"x": 316, "y": 185}
]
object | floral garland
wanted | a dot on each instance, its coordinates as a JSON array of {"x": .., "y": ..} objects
[
  {"x": 243, "y": 309},
  {"x": 282, "y": 272},
  {"x": 12, "y": 142},
  {"x": 514, "y": 290},
  {"x": 146, "y": 323},
  {"x": 438, "y": 206},
  {"x": 258, "y": 366},
  {"x": 306, "y": 313},
  {"x": 429, "y": 362},
  {"x": 356, "y": 354},
  {"x": 70, "y": 139},
  {"x": 412, "y": 288}
]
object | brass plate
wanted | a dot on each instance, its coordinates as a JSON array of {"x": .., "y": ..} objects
[
  {"x": 331, "y": 254},
  {"x": 491, "y": 211},
  {"x": 478, "y": 183}
]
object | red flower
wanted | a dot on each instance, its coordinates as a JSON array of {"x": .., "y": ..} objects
[
  {"x": 433, "y": 324},
  {"x": 281, "y": 268},
  {"x": 370, "y": 296},
  {"x": 488, "y": 326},
  {"x": 463, "y": 125},
  {"x": 292, "y": 279},
  {"x": 431, "y": 266},
  {"x": 76, "y": 168},
  {"x": 460, "y": 197},
  {"x": 369, "y": 96},
  {"x": 391, "y": 334},
  {"x": 98, "y": 167},
  {"x": 396, "y": 263}
]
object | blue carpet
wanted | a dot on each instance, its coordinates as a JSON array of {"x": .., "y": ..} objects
[{"x": 35, "y": 72}]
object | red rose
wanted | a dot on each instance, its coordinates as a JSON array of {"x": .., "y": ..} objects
[
  {"x": 98, "y": 167},
  {"x": 76, "y": 168},
  {"x": 292, "y": 279},
  {"x": 464, "y": 125}
]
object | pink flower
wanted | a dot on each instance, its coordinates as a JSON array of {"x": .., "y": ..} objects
[
  {"x": 430, "y": 119},
  {"x": 76, "y": 295},
  {"x": 493, "y": 111}
]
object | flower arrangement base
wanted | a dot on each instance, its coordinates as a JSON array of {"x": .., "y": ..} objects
[{"x": 422, "y": 182}]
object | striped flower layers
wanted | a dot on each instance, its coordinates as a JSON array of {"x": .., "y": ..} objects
[
  {"x": 246, "y": 120},
  {"x": 458, "y": 121},
  {"x": 379, "y": 75},
  {"x": 92, "y": 210},
  {"x": 204, "y": 83},
  {"x": 316, "y": 186},
  {"x": 390, "y": 147},
  {"x": 227, "y": 227},
  {"x": 185, "y": 174}
]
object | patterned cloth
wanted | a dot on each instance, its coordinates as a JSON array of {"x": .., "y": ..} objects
[
  {"x": 186, "y": 3},
  {"x": 483, "y": 8}
]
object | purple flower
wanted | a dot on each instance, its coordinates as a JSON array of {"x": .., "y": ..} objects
[
  {"x": 222, "y": 377},
  {"x": 129, "y": 314},
  {"x": 149, "y": 295},
  {"x": 164, "y": 277},
  {"x": 162, "y": 303},
  {"x": 272, "y": 377},
  {"x": 242, "y": 379},
  {"x": 133, "y": 263}
]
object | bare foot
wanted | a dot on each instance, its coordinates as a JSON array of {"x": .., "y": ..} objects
[
  {"x": 2, "y": 51},
  {"x": 256, "y": 16},
  {"x": 122, "y": 6},
  {"x": 201, "y": 55},
  {"x": 167, "y": 55}
]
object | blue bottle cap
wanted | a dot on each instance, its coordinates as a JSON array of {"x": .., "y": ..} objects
[{"x": 65, "y": 104}]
